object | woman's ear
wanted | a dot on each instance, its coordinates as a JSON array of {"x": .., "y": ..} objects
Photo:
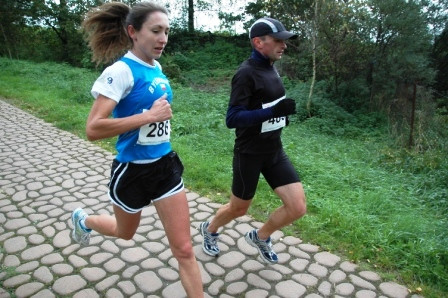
[{"x": 131, "y": 31}]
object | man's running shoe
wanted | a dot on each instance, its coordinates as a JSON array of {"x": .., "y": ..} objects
[
  {"x": 264, "y": 247},
  {"x": 209, "y": 240},
  {"x": 80, "y": 234}
]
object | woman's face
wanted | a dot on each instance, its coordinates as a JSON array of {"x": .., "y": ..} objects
[{"x": 150, "y": 40}]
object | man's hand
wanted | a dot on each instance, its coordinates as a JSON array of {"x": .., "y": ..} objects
[{"x": 284, "y": 107}]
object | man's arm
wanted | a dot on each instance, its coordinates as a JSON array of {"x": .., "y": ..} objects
[{"x": 239, "y": 116}]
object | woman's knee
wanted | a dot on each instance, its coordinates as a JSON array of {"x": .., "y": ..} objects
[
  {"x": 126, "y": 235},
  {"x": 183, "y": 251}
]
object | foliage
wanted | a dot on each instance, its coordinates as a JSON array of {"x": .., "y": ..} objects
[
  {"x": 372, "y": 44},
  {"x": 325, "y": 116},
  {"x": 368, "y": 53},
  {"x": 53, "y": 89},
  {"x": 401, "y": 44},
  {"x": 369, "y": 195},
  {"x": 377, "y": 205},
  {"x": 207, "y": 66},
  {"x": 352, "y": 196},
  {"x": 440, "y": 58}
]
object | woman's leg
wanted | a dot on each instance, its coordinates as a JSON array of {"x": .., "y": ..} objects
[
  {"x": 175, "y": 216},
  {"x": 121, "y": 225}
]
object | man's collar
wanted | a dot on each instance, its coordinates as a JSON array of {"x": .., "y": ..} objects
[{"x": 257, "y": 56}]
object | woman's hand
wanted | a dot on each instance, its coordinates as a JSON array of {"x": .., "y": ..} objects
[{"x": 160, "y": 110}]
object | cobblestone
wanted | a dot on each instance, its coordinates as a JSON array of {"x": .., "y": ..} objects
[{"x": 45, "y": 173}]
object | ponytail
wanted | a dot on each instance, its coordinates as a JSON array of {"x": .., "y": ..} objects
[
  {"x": 105, "y": 28},
  {"x": 105, "y": 31}
]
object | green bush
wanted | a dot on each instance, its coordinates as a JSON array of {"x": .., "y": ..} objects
[{"x": 324, "y": 115}]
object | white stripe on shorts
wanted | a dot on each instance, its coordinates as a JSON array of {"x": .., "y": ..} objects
[
  {"x": 178, "y": 188},
  {"x": 116, "y": 201}
]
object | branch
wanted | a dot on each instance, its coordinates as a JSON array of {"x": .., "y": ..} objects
[{"x": 58, "y": 33}]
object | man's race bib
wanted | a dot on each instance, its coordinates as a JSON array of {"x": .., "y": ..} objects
[
  {"x": 273, "y": 123},
  {"x": 154, "y": 133}
]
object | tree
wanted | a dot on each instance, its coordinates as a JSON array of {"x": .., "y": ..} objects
[
  {"x": 294, "y": 14},
  {"x": 313, "y": 45},
  {"x": 440, "y": 57},
  {"x": 401, "y": 67},
  {"x": 190, "y": 16},
  {"x": 11, "y": 21},
  {"x": 342, "y": 56},
  {"x": 64, "y": 19},
  {"x": 401, "y": 42},
  {"x": 44, "y": 30},
  {"x": 436, "y": 14},
  {"x": 228, "y": 20},
  {"x": 188, "y": 11}
]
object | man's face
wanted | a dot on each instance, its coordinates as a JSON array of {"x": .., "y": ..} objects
[{"x": 271, "y": 47}]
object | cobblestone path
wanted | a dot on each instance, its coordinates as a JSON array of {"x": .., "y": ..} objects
[{"x": 45, "y": 173}]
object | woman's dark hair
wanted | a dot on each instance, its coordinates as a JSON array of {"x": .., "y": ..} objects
[{"x": 105, "y": 27}]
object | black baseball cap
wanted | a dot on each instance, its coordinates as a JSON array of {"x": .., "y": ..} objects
[{"x": 272, "y": 27}]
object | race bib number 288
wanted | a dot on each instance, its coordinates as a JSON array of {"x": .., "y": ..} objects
[{"x": 154, "y": 133}]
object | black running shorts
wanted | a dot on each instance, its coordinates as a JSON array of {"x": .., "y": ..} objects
[
  {"x": 276, "y": 168},
  {"x": 133, "y": 186}
]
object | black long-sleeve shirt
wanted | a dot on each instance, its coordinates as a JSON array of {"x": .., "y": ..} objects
[{"x": 255, "y": 83}]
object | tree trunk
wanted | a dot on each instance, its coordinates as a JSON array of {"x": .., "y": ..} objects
[
  {"x": 6, "y": 41},
  {"x": 190, "y": 16},
  {"x": 313, "y": 43},
  {"x": 411, "y": 130}
]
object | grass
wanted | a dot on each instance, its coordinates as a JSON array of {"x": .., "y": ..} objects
[
  {"x": 376, "y": 206},
  {"x": 353, "y": 199},
  {"x": 56, "y": 93}
]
